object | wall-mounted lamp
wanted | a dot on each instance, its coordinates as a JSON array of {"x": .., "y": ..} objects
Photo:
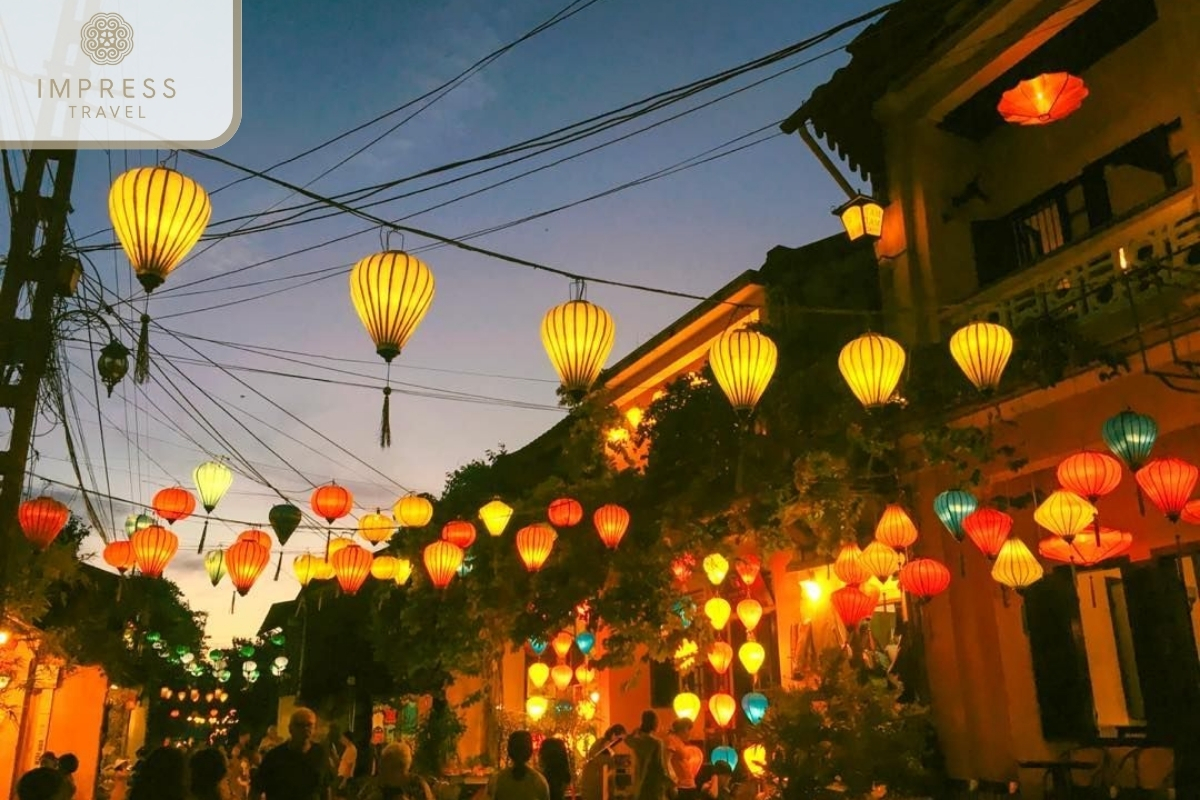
[{"x": 861, "y": 216}]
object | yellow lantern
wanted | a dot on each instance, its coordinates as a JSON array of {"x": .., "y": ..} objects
[
  {"x": 1016, "y": 567},
  {"x": 896, "y": 528},
  {"x": 404, "y": 570},
  {"x": 212, "y": 479},
  {"x": 536, "y": 707},
  {"x": 861, "y": 216},
  {"x": 717, "y": 610},
  {"x": 158, "y": 215},
  {"x": 1065, "y": 514},
  {"x": 376, "y": 528},
  {"x": 749, "y": 611},
  {"x": 686, "y": 705},
  {"x": 849, "y": 567},
  {"x": 561, "y": 675},
  {"x": 722, "y": 706},
  {"x": 578, "y": 336},
  {"x": 880, "y": 560},
  {"x": 306, "y": 568},
  {"x": 214, "y": 565},
  {"x": 561, "y": 644},
  {"x": 412, "y": 511},
  {"x": 383, "y": 568},
  {"x": 716, "y": 567},
  {"x": 335, "y": 544},
  {"x": 982, "y": 350},
  {"x": 585, "y": 675},
  {"x": 872, "y": 366},
  {"x": 755, "y": 759},
  {"x": 391, "y": 292},
  {"x": 752, "y": 655},
  {"x": 720, "y": 656},
  {"x": 685, "y": 655},
  {"x": 586, "y": 710},
  {"x": 495, "y": 516},
  {"x": 743, "y": 362},
  {"x": 534, "y": 543},
  {"x": 539, "y": 673},
  {"x": 323, "y": 569}
]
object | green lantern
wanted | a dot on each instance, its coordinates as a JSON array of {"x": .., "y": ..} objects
[
  {"x": 278, "y": 640},
  {"x": 246, "y": 650},
  {"x": 285, "y": 518}
]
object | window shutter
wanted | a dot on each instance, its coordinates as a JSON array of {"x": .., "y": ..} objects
[{"x": 1060, "y": 670}]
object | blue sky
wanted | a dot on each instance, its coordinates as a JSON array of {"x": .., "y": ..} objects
[{"x": 312, "y": 69}]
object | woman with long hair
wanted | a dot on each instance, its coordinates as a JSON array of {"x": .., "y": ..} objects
[
  {"x": 162, "y": 776},
  {"x": 519, "y": 781},
  {"x": 555, "y": 762}
]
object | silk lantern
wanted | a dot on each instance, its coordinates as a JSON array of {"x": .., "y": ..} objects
[
  {"x": 1087, "y": 550},
  {"x": 685, "y": 655},
  {"x": 305, "y": 568},
  {"x": 716, "y": 567},
  {"x": 754, "y": 706},
  {"x": 924, "y": 578},
  {"x": 118, "y": 554},
  {"x": 261, "y": 538},
  {"x": 988, "y": 529},
  {"x": 284, "y": 519},
  {"x": 752, "y": 655},
  {"x": 153, "y": 549},
  {"x": 871, "y": 366},
  {"x": 1016, "y": 567},
  {"x": 743, "y": 362},
  {"x": 403, "y": 572},
  {"x": 536, "y": 707},
  {"x": 717, "y": 610},
  {"x": 724, "y": 755},
  {"x": 686, "y": 706},
  {"x": 723, "y": 707},
  {"x": 982, "y": 350},
  {"x": 561, "y": 675},
  {"x": 952, "y": 508},
  {"x": 611, "y": 522},
  {"x": 332, "y": 502},
  {"x": 749, "y": 612},
  {"x": 459, "y": 533},
  {"x": 214, "y": 565},
  {"x": 561, "y": 644},
  {"x": 442, "y": 560},
  {"x": 42, "y": 519},
  {"x": 755, "y": 758},
  {"x": 534, "y": 543},
  {"x": 376, "y": 528},
  {"x": 383, "y": 567},
  {"x": 539, "y": 673},
  {"x": 565, "y": 512},
  {"x": 852, "y": 605},
  {"x": 1064, "y": 514},
  {"x": 1168, "y": 482},
  {"x": 1131, "y": 436},
  {"x": 495, "y": 516},
  {"x": 720, "y": 656},
  {"x": 1047, "y": 98},
  {"x": 244, "y": 562},
  {"x": 848, "y": 565},
  {"x": 747, "y": 567},
  {"x": 880, "y": 560},
  {"x": 173, "y": 503},
  {"x": 682, "y": 566},
  {"x": 1089, "y": 474},
  {"x": 413, "y": 511},
  {"x": 895, "y": 528},
  {"x": 585, "y": 641},
  {"x": 212, "y": 479},
  {"x": 578, "y": 336}
]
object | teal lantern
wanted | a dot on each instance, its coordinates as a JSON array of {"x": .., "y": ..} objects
[
  {"x": 538, "y": 646},
  {"x": 467, "y": 565},
  {"x": 952, "y": 508},
  {"x": 755, "y": 706},
  {"x": 724, "y": 754},
  {"x": 586, "y": 640},
  {"x": 685, "y": 609},
  {"x": 1131, "y": 436}
]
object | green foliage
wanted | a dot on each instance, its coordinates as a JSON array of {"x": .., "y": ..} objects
[{"x": 842, "y": 733}]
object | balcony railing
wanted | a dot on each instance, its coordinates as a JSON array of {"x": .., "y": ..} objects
[{"x": 1151, "y": 260}]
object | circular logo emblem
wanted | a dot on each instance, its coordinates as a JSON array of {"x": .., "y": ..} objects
[{"x": 106, "y": 39}]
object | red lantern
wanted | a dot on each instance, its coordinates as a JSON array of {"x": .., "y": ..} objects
[
  {"x": 1191, "y": 512},
  {"x": 332, "y": 502},
  {"x": 565, "y": 513},
  {"x": 1086, "y": 549},
  {"x": 534, "y": 543},
  {"x": 896, "y": 528},
  {"x": 988, "y": 529},
  {"x": 1090, "y": 474},
  {"x": 244, "y": 562},
  {"x": 459, "y": 533},
  {"x": 682, "y": 567},
  {"x": 1168, "y": 482},
  {"x": 1042, "y": 100},
  {"x": 852, "y": 604},
  {"x": 442, "y": 560},
  {"x": 747, "y": 568},
  {"x": 119, "y": 556},
  {"x": 611, "y": 523},
  {"x": 924, "y": 578},
  {"x": 261, "y": 538},
  {"x": 351, "y": 566},
  {"x": 153, "y": 549},
  {"x": 42, "y": 520},
  {"x": 173, "y": 504}
]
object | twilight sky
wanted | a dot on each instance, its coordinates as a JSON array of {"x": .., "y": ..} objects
[{"x": 314, "y": 69}]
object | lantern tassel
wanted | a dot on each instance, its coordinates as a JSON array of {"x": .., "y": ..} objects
[
  {"x": 279, "y": 565},
  {"x": 203, "y": 534},
  {"x": 1141, "y": 501},
  {"x": 232, "y": 602},
  {"x": 328, "y": 536},
  {"x": 385, "y": 426},
  {"x": 141, "y": 370},
  {"x": 120, "y": 583}
]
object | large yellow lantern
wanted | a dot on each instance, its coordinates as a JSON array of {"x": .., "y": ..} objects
[
  {"x": 536, "y": 707},
  {"x": 539, "y": 673},
  {"x": 1065, "y": 514},
  {"x": 305, "y": 566},
  {"x": 716, "y": 567},
  {"x": 412, "y": 511},
  {"x": 686, "y": 706},
  {"x": 872, "y": 366},
  {"x": 158, "y": 215},
  {"x": 578, "y": 336},
  {"x": 743, "y": 362},
  {"x": 323, "y": 570},
  {"x": 896, "y": 528},
  {"x": 722, "y": 706},
  {"x": 717, "y": 610},
  {"x": 383, "y": 568},
  {"x": 982, "y": 350},
  {"x": 212, "y": 479},
  {"x": 880, "y": 560},
  {"x": 376, "y": 528},
  {"x": 755, "y": 759},
  {"x": 720, "y": 656},
  {"x": 1016, "y": 567},
  {"x": 495, "y": 516},
  {"x": 752, "y": 655}
]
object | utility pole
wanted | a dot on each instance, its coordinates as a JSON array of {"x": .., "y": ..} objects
[{"x": 36, "y": 273}]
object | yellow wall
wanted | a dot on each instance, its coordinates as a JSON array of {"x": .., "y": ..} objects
[{"x": 75, "y": 721}]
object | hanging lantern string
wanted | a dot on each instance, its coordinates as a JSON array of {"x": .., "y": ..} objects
[
  {"x": 385, "y": 425},
  {"x": 141, "y": 369}
]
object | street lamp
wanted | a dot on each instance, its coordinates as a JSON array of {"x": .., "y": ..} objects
[{"x": 861, "y": 216}]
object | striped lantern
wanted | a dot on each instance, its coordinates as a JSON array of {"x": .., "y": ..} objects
[
  {"x": 578, "y": 336},
  {"x": 982, "y": 350},
  {"x": 743, "y": 363},
  {"x": 872, "y": 366}
]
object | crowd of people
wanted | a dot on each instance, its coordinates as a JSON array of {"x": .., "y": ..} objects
[{"x": 301, "y": 768}]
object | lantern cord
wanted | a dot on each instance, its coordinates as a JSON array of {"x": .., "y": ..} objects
[
  {"x": 203, "y": 534},
  {"x": 385, "y": 424},
  {"x": 141, "y": 370}
]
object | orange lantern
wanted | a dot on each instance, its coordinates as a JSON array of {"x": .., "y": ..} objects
[
  {"x": 749, "y": 612},
  {"x": 720, "y": 656},
  {"x": 1042, "y": 100},
  {"x": 988, "y": 529},
  {"x": 852, "y": 605},
  {"x": 1090, "y": 474},
  {"x": 1087, "y": 550},
  {"x": 565, "y": 512},
  {"x": 1168, "y": 482},
  {"x": 534, "y": 543},
  {"x": 412, "y": 511},
  {"x": 1065, "y": 514},
  {"x": 747, "y": 568},
  {"x": 42, "y": 519},
  {"x": 896, "y": 528},
  {"x": 258, "y": 537},
  {"x": 561, "y": 674},
  {"x": 173, "y": 504},
  {"x": 849, "y": 567},
  {"x": 119, "y": 555},
  {"x": 880, "y": 560},
  {"x": 376, "y": 528},
  {"x": 561, "y": 644},
  {"x": 384, "y": 567},
  {"x": 332, "y": 502},
  {"x": 244, "y": 562},
  {"x": 442, "y": 560},
  {"x": 717, "y": 610},
  {"x": 1191, "y": 512},
  {"x": 459, "y": 533},
  {"x": 611, "y": 523},
  {"x": 924, "y": 578},
  {"x": 153, "y": 549},
  {"x": 722, "y": 706}
]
